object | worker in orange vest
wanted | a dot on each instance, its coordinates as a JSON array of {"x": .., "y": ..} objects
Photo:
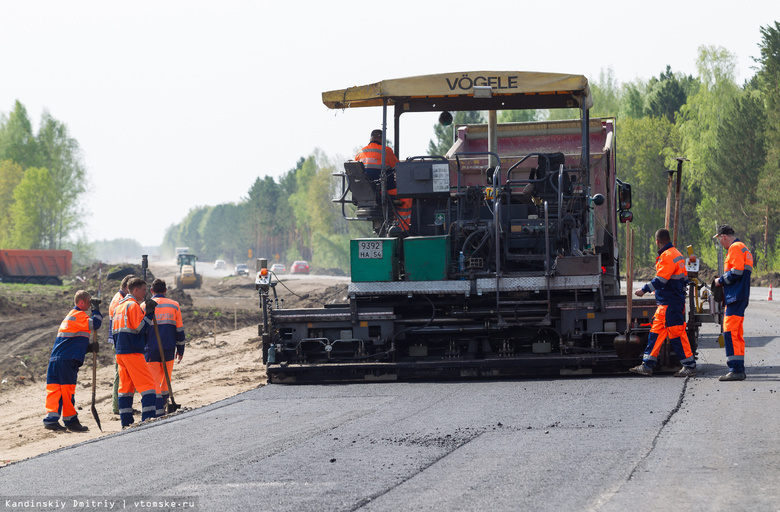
[
  {"x": 130, "y": 326},
  {"x": 171, "y": 328},
  {"x": 669, "y": 318},
  {"x": 118, "y": 296},
  {"x": 371, "y": 156},
  {"x": 70, "y": 347},
  {"x": 737, "y": 267}
]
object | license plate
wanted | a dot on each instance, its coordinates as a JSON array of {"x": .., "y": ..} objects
[{"x": 370, "y": 250}]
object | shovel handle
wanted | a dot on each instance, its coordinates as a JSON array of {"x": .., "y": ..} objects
[{"x": 162, "y": 358}]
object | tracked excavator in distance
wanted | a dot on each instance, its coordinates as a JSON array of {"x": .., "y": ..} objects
[{"x": 510, "y": 265}]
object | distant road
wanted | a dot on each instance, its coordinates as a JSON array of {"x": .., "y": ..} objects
[{"x": 600, "y": 443}]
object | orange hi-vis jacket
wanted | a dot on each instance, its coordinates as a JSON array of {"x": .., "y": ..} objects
[
  {"x": 130, "y": 326},
  {"x": 171, "y": 327},
  {"x": 111, "y": 307},
  {"x": 738, "y": 266},
  {"x": 371, "y": 156},
  {"x": 671, "y": 278},
  {"x": 73, "y": 335}
]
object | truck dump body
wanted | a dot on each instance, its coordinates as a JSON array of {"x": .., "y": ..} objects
[
  {"x": 34, "y": 266},
  {"x": 509, "y": 265}
]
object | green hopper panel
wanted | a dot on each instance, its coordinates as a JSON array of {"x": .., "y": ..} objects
[{"x": 427, "y": 258}]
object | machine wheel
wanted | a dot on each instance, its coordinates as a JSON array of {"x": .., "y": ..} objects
[
  {"x": 198, "y": 281},
  {"x": 32, "y": 280},
  {"x": 691, "y": 327},
  {"x": 177, "y": 282},
  {"x": 53, "y": 281}
]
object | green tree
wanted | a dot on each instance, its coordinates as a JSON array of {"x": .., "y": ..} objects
[
  {"x": 190, "y": 229},
  {"x": 768, "y": 82},
  {"x": 698, "y": 123},
  {"x": 647, "y": 147},
  {"x": 58, "y": 152},
  {"x": 445, "y": 135},
  {"x": 667, "y": 93},
  {"x": 11, "y": 175},
  {"x": 32, "y": 212},
  {"x": 632, "y": 100},
  {"x": 263, "y": 205},
  {"x": 732, "y": 182},
  {"x": 17, "y": 141},
  {"x": 606, "y": 95}
]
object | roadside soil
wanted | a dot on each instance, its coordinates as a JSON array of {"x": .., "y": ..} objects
[{"x": 223, "y": 356}]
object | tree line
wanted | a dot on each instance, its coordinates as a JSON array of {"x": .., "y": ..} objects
[{"x": 283, "y": 220}]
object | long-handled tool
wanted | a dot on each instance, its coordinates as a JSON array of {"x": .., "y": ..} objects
[
  {"x": 173, "y": 406},
  {"x": 94, "y": 358}
]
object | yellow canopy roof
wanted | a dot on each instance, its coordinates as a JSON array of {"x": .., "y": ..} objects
[{"x": 493, "y": 88}]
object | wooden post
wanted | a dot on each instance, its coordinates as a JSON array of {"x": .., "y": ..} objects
[
  {"x": 678, "y": 199},
  {"x": 669, "y": 177},
  {"x": 766, "y": 234}
]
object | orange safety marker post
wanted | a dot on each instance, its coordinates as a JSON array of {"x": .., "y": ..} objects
[{"x": 770, "y": 293}]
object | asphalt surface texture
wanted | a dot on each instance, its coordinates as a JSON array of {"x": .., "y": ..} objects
[{"x": 609, "y": 443}]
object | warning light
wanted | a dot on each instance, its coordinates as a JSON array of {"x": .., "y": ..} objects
[
  {"x": 263, "y": 272},
  {"x": 603, "y": 270}
]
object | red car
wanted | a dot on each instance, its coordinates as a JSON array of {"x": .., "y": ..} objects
[{"x": 299, "y": 267}]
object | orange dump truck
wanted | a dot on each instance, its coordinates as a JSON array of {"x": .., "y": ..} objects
[{"x": 34, "y": 266}]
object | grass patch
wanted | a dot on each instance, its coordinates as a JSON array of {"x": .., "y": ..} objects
[{"x": 38, "y": 289}]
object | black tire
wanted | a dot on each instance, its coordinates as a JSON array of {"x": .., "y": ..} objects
[
  {"x": 32, "y": 280},
  {"x": 692, "y": 328},
  {"x": 53, "y": 281}
]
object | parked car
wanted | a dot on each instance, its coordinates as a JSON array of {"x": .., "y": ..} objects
[
  {"x": 278, "y": 268},
  {"x": 299, "y": 267},
  {"x": 242, "y": 270},
  {"x": 220, "y": 265}
]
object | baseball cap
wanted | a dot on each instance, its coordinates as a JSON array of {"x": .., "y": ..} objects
[{"x": 723, "y": 229}]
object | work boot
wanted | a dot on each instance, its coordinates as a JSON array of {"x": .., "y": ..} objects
[
  {"x": 687, "y": 371},
  {"x": 53, "y": 425},
  {"x": 642, "y": 370},
  {"x": 75, "y": 426},
  {"x": 733, "y": 376}
]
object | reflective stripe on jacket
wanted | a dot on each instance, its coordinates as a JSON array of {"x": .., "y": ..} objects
[
  {"x": 171, "y": 327},
  {"x": 671, "y": 277},
  {"x": 73, "y": 335},
  {"x": 738, "y": 268},
  {"x": 371, "y": 156},
  {"x": 111, "y": 307},
  {"x": 130, "y": 326}
]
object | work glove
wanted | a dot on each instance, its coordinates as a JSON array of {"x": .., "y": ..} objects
[
  {"x": 717, "y": 292},
  {"x": 93, "y": 347},
  {"x": 150, "y": 305},
  {"x": 95, "y": 303}
]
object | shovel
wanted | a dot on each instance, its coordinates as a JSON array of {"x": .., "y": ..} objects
[
  {"x": 173, "y": 406},
  {"x": 94, "y": 359},
  {"x": 94, "y": 383}
]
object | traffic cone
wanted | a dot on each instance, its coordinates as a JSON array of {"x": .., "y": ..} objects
[{"x": 770, "y": 293}]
